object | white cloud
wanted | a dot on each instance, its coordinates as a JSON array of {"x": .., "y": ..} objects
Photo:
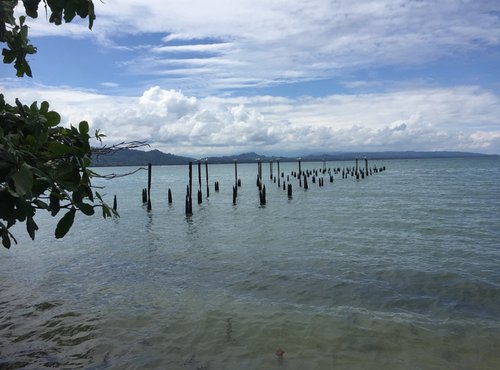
[
  {"x": 267, "y": 42},
  {"x": 460, "y": 118}
]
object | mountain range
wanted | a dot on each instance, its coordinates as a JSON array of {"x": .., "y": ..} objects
[{"x": 134, "y": 157}]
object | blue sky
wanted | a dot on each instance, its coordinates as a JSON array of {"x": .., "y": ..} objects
[{"x": 277, "y": 77}]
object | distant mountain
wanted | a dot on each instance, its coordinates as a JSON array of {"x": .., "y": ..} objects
[
  {"x": 242, "y": 158},
  {"x": 132, "y": 157},
  {"x": 389, "y": 155}
]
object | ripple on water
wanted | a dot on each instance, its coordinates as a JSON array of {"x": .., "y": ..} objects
[{"x": 46, "y": 335}]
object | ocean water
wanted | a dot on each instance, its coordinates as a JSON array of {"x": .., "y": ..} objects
[{"x": 400, "y": 270}]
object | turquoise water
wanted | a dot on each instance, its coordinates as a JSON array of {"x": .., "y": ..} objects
[{"x": 397, "y": 271}]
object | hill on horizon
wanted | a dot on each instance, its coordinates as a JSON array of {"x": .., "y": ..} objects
[{"x": 134, "y": 157}]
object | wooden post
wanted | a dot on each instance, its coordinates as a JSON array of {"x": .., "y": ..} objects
[
  {"x": 200, "y": 195},
  {"x": 189, "y": 198},
  {"x": 300, "y": 168},
  {"x": 235, "y": 192},
  {"x": 270, "y": 170},
  {"x": 289, "y": 191},
  {"x": 262, "y": 196},
  {"x": 188, "y": 203},
  {"x": 236, "y": 176},
  {"x": 169, "y": 196},
  {"x": 279, "y": 184},
  {"x": 366, "y": 166},
  {"x": 190, "y": 179},
  {"x": 115, "y": 203},
  {"x": 305, "y": 182},
  {"x": 149, "y": 186},
  {"x": 206, "y": 177}
]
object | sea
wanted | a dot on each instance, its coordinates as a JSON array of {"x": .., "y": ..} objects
[{"x": 399, "y": 270}]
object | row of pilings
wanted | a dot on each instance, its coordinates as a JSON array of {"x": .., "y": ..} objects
[{"x": 284, "y": 182}]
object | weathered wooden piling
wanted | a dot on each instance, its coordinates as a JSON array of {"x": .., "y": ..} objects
[
  {"x": 189, "y": 205},
  {"x": 189, "y": 198},
  {"x": 259, "y": 169},
  {"x": 200, "y": 195},
  {"x": 305, "y": 182},
  {"x": 216, "y": 186},
  {"x": 169, "y": 196},
  {"x": 235, "y": 192},
  {"x": 115, "y": 204},
  {"x": 149, "y": 186},
  {"x": 144, "y": 196},
  {"x": 279, "y": 185},
  {"x": 289, "y": 191},
  {"x": 149, "y": 177},
  {"x": 262, "y": 195},
  {"x": 300, "y": 167},
  {"x": 366, "y": 166},
  {"x": 206, "y": 177},
  {"x": 236, "y": 173},
  {"x": 270, "y": 170}
]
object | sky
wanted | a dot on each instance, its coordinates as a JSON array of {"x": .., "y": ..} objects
[{"x": 221, "y": 77}]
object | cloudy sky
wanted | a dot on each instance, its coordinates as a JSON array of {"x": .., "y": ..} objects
[{"x": 199, "y": 77}]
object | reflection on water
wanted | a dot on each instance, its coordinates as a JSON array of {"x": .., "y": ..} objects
[{"x": 398, "y": 271}]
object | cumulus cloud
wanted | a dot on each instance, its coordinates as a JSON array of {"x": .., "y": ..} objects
[
  {"x": 459, "y": 118},
  {"x": 268, "y": 42}
]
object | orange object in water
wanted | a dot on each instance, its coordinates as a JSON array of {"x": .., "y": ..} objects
[{"x": 279, "y": 353}]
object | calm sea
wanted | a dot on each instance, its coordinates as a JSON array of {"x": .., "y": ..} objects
[{"x": 397, "y": 271}]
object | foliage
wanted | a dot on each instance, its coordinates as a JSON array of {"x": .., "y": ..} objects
[
  {"x": 15, "y": 35},
  {"x": 43, "y": 166}
]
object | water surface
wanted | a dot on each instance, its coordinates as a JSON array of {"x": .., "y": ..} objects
[{"x": 396, "y": 271}]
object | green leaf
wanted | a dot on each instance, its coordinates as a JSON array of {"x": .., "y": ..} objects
[
  {"x": 8, "y": 56},
  {"x": 60, "y": 149},
  {"x": 23, "y": 180},
  {"x": 54, "y": 202},
  {"x": 31, "y": 7},
  {"x": 86, "y": 209},
  {"x": 65, "y": 223},
  {"x": 7, "y": 208},
  {"x": 44, "y": 107},
  {"x": 5, "y": 238},
  {"x": 53, "y": 118},
  {"x": 31, "y": 227},
  {"x": 40, "y": 204},
  {"x": 34, "y": 107},
  {"x": 84, "y": 127}
]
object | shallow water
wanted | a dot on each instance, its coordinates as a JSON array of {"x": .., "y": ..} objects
[{"x": 396, "y": 271}]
